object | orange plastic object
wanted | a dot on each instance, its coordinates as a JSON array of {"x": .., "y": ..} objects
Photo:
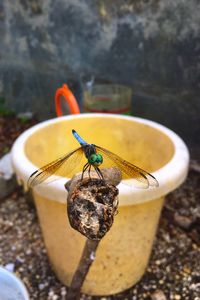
[{"x": 66, "y": 93}]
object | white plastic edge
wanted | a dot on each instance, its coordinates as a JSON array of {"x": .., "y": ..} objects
[
  {"x": 19, "y": 285},
  {"x": 169, "y": 177}
]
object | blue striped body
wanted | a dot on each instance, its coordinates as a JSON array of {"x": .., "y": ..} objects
[
  {"x": 79, "y": 139},
  {"x": 88, "y": 149}
]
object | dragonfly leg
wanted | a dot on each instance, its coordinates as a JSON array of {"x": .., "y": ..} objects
[
  {"x": 89, "y": 171},
  {"x": 99, "y": 173},
  {"x": 84, "y": 169}
]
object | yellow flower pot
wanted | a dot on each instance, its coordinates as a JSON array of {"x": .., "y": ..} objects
[{"x": 123, "y": 254}]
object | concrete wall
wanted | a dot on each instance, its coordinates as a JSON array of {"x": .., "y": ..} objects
[{"x": 151, "y": 45}]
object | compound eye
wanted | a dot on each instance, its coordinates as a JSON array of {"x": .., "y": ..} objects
[
  {"x": 93, "y": 158},
  {"x": 99, "y": 158}
]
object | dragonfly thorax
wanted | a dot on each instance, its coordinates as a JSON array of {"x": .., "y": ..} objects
[{"x": 95, "y": 159}]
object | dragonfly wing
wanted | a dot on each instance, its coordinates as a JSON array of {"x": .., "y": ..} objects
[
  {"x": 62, "y": 166},
  {"x": 129, "y": 171}
]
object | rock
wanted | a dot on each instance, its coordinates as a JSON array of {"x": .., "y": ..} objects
[
  {"x": 63, "y": 292},
  {"x": 7, "y": 179},
  {"x": 177, "y": 297},
  {"x": 6, "y": 170},
  {"x": 158, "y": 295},
  {"x": 91, "y": 207},
  {"x": 183, "y": 221},
  {"x": 25, "y": 116},
  {"x": 41, "y": 286},
  {"x": 10, "y": 267},
  {"x": 194, "y": 165}
]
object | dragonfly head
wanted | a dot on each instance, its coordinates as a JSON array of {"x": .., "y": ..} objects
[{"x": 95, "y": 159}]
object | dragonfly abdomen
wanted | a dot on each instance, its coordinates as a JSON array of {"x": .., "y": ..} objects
[{"x": 78, "y": 138}]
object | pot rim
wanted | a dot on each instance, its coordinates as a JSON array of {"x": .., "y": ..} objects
[{"x": 170, "y": 176}]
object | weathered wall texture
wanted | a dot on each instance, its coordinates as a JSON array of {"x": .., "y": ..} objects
[{"x": 153, "y": 46}]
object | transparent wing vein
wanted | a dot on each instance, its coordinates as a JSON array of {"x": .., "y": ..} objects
[
  {"x": 62, "y": 166},
  {"x": 129, "y": 171}
]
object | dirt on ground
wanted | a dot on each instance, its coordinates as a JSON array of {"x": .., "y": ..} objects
[{"x": 10, "y": 128}]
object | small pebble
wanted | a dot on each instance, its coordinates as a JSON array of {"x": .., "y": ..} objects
[
  {"x": 195, "y": 286},
  {"x": 92, "y": 256},
  {"x": 10, "y": 267},
  {"x": 52, "y": 295},
  {"x": 161, "y": 281},
  {"x": 28, "y": 252},
  {"x": 41, "y": 286},
  {"x": 158, "y": 295},
  {"x": 63, "y": 291},
  {"x": 186, "y": 270},
  {"x": 183, "y": 221},
  {"x": 167, "y": 237},
  {"x": 177, "y": 297},
  {"x": 20, "y": 259}
]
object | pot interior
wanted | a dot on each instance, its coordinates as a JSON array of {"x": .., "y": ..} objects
[{"x": 138, "y": 143}]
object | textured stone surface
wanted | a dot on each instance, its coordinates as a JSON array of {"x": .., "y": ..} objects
[{"x": 152, "y": 46}]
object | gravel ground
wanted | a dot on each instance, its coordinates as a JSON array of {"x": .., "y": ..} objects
[{"x": 174, "y": 269}]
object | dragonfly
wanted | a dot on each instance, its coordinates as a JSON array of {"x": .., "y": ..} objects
[{"x": 95, "y": 157}]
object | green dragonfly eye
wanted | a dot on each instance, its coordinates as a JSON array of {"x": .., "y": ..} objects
[{"x": 95, "y": 159}]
